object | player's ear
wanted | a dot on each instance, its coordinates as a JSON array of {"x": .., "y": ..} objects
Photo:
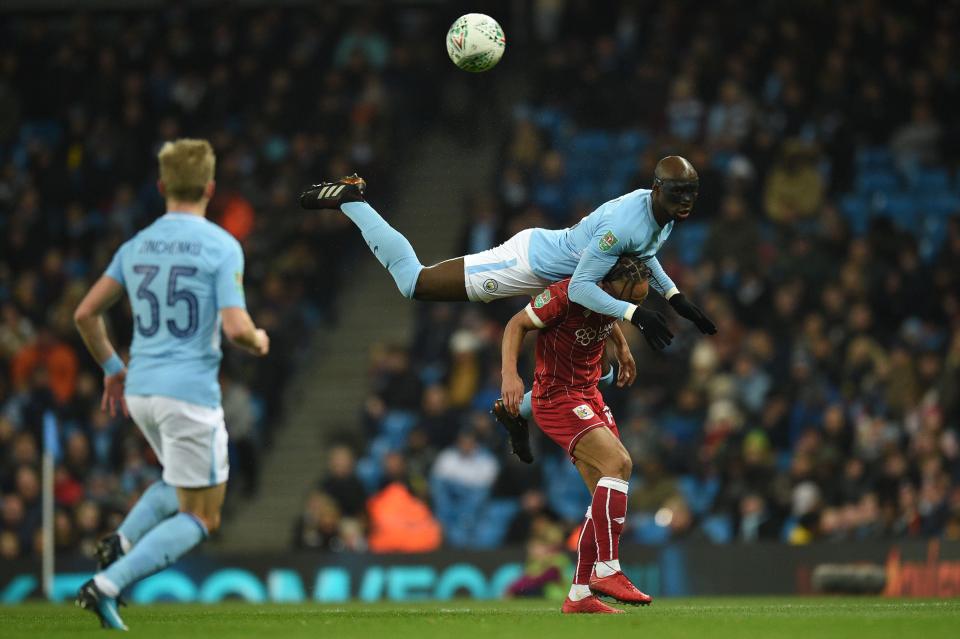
[
  {"x": 161, "y": 188},
  {"x": 209, "y": 189}
]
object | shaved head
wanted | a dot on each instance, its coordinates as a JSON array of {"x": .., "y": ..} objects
[
  {"x": 674, "y": 167},
  {"x": 675, "y": 187}
]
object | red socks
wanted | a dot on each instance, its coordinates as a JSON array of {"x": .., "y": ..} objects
[{"x": 609, "y": 512}]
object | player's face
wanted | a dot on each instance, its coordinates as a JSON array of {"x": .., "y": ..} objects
[{"x": 676, "y": 197}]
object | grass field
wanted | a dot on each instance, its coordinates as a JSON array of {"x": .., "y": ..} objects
[{"x": 725, "y": 618}]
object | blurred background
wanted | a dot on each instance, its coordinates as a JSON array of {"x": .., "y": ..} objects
[{"x": 825, "y": 244}]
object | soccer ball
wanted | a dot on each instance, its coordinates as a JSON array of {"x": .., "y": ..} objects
[{"x": 475, "y": 42}]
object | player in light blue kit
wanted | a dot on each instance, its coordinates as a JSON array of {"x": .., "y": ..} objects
[
  {"x": 637, "y": 223},
  {"x": 184, "y": 278}
]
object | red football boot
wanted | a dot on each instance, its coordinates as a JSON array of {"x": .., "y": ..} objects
[
  {"x": 588, "y": 605},
  {"x": 618, "y": 587}
]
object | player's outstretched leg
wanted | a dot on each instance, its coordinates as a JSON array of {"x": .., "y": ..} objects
[
  {"x": 518, "y": 430},
  {"x": 387, "y": 244},
  {"x": 91, "y": 598},
  {"x": 580, "y": 598}
]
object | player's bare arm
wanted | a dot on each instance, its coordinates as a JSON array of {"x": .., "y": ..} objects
[
  {"x": 89, "y": 321},
  {"x": 626, "y": 365},
  {"x": 513, "y": 334},
  {"x": 239, "y": 328}
]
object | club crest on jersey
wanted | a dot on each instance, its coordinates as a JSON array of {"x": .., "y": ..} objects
[
  {"x": 583, "y": 411},
  {"x": 540, "y": 300},
  {"x": 607, "y": 241}
]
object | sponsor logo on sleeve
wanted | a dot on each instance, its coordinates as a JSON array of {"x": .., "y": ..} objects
[
  {"x": 583, "y": 411},
  {"x": 238, "y": 278},
  {"x": 608, "y": 241},
  {"x": 491, "y": 286},
  {"x": 540, "y": 300}
]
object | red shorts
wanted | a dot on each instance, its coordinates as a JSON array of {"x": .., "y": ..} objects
[{"x": 566, "y": 420}]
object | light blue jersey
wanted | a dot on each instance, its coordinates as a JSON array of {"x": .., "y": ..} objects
[
  {"x": 179, "y": 272},
  {"x": 589, "y": 249}
]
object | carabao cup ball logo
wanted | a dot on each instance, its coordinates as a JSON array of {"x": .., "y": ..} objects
[{"x": 475, "y": 42}]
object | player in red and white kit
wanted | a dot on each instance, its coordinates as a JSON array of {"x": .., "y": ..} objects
[{"x": 570, "y": 410}]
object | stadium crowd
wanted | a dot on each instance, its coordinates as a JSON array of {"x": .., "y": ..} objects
[
  {"x": 85, "y": 101},
  {"x": 825, "y": 244}
]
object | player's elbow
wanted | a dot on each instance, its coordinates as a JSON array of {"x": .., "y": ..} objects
[
  {"x": 577, "y": 291},
  {"x": 82, "y": 315},
  {"x": 236, "y": 323}
]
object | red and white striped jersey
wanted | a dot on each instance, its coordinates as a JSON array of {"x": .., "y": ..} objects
[{"x": 570, "y": 344}]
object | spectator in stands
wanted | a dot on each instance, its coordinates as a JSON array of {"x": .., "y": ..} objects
[
  {"x": 341, "y": 482},
  {"x": 794, "y": 188}
]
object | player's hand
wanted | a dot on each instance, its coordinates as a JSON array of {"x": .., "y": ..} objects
[
  {"x": 627, "y": 367},
  {"x": 113, "y": 386},
  {"x": 653, "y": 326},
  {"x": 692, "y": 312},
  {"x": 512, "y": 393},
  {"x": 262, "y": 343}
]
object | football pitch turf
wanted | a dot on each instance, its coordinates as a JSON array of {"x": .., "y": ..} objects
[{"x": 699, "y": 618}]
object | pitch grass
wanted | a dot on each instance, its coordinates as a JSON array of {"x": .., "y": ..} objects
[{"x": 697, "y": 618}]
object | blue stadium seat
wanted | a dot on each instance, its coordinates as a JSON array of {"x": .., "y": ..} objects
[
  {"x": 929, "y": 180},
  {"x": 856, "y": 210},
  {"x": 877, "y": 157},
  {"x": 877, "y": 181},
  {"x": 494, "y": 520},
  {"x": 644, "y": 530},
  {"x": 551, "y": 121},
  {"x": 566, "y": 493},
  {"x": 903, "y": 208},
  {"x": 369, "y": 472},
  {"x": 718, "y": 528},
  {"x": 699, "y": 494},
  {"x": 593, "y": 143},
  {"x": 944, "y": 204},
  {"x": 933, "y": 231},
  {"x": 688, "y": 241},
  {"x": 632, "y": 141},
  {"x": 395, "y": 426}
]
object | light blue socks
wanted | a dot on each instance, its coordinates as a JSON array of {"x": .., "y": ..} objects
[
  {"x": 526, "y": 404},
  {"x": 158, "y": 502},
  {"x": 388, "y": 245},
  {"x": 167, "y": 542},
  {"x": 607, "y": 379}
]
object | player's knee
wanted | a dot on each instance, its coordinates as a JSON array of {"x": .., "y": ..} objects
[
  {"x": 624, "y": 466},
  {"x": 211, "y": 521}
]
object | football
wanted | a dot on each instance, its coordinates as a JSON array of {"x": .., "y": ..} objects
[{"x": 475, "y": 42}]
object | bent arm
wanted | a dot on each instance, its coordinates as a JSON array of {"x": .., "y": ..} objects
[
  {"x": 584, "y": 289},
  {"x": 659, "y": 278},
  {"x": 89, "y": 318},
  {"x": 513, "y": 334}
]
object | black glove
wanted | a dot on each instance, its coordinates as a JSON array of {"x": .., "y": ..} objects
[
  {"x": 653, "y": 326},
  {"x": 686, "y": 309}
]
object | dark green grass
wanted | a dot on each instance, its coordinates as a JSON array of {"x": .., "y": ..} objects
[{"x": 723, "y": 618}]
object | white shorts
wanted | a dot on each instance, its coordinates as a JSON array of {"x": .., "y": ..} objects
[
  {"x": 503, "y": 271},
  {"x": 190, "y": 440}
]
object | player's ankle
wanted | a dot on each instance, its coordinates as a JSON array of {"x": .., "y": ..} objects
[{"x": 607, "y": 568}]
